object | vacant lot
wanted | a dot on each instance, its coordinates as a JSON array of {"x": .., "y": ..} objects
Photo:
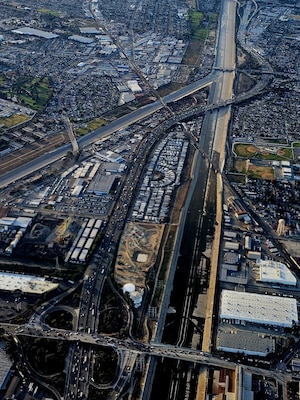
[
  {"x": 14, "y": 120},
  {"x": 260, "y": 172}
]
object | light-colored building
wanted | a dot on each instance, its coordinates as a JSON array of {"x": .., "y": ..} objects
[
  {"x": 81, "y": 39},
  {"x": 134, "y": 86},
  {"x": 244, "y": 341},
  {"x": 101, "y": 185},
  {"x": 243, "y": 307},
  {"x": 35, "y": 32},
  {"x": 109, "y": 156},
  {"x": 25, "y": 283},
  {"x": 89, "y": 30},
  {"x": 275, "y": 272},
  {"x": 142, "y": 257},
  {"x": 115, "y": 168},
  {"x": 254, "y": 255},
  {"x": 231, "y": 246}
]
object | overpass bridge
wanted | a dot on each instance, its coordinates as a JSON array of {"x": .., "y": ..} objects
[
  {"x": 72, "y": 137},
  {"x": 132, "y": 356},
  {"x": 131, "y": 348}
]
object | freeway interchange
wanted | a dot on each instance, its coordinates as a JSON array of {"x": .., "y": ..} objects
[
  {"x": 85, "y": 336},
  {"x": 93, "y": 136},
  {"x": 129, "y": 350}
]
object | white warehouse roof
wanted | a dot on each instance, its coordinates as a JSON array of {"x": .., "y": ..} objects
[
  {"x": 258, "y": 308},
  {"x": 35, "y": 32},
  {"x": 134, "y": 86},
  {"x": 21, "y": 222},
  {"x": 276, "y": 272},
  {"x": 25, "y": 283}
]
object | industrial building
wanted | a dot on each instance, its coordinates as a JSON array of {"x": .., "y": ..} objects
[
  {"x": 235, "y": 246},
  {"x": 102, "y": 184},
  {"x": 19, "y": 222},
  {"x": 81, "y": 39},
  {"x": 12, "y": 230},
  {"x": 83, "y": 242},
  {"x": 89, "y": 30},
  {"x": 35, "y": 32},
  {"x": 239, "y": 211},
  {"x": 254, "y": 255},
  {"x": 109, "y": 156},
  {"x": 25, "y": 283},
  {"x": 275, "y": 272},
  {"x": 244, "y": 341},
  {"x": 243, "y": 307},
  {"x": 134, "y": 86},
  {"x": 115, "y": 168}
]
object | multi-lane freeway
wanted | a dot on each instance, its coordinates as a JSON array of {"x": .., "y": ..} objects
[
  {"x": 120, "y": 123},
  {"x": 130, "y": 348},
  {"x": 213, "y": 140}
]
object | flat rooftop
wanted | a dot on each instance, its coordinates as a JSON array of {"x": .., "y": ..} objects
[
  {"x": 258, "y": 308},
  {"x": 101, "y": 184},
  {"x": 26, "y": 283},
  {"x": 35, "y": 32},
  {"x": 244, "y": 341},
  {"x": 276, "y": 272},
  {"x": 81, "y": 39}
]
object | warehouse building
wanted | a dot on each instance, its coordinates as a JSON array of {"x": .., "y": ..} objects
[
  {"x": 271, "y": 271},
  {"x": 241, "y": 308},
  {"x": 35, "y": 32},
  {"x": 134, "y": 86},
  {"x": 115, "y": 168},
  {"x": 102, "y": 184},
  {"x": 109, "y": 156},
  {"x": 81, "y": 39},
  {"x": 25, "y": 283},
  {"x": 244, "y": 341}
]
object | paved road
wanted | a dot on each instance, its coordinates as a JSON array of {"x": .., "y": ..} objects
[
  {"x": 223, "y": 76},
  {"x": 212, "y": 140},
  {"x": 114, "y": 126},
  {"x": 131, "y": 348}
]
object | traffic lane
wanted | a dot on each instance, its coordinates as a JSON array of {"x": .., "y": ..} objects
[{"x": 91, "y": 137}]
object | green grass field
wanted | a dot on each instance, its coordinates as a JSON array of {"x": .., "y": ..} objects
[
  {"x": 260, "y": 172},
  {"x": 196, "y": 19},
  {"x": 14, "y": 120},
  {"x": 50, "y": 12},
  {"x": 91, "y": 126},
  {"x": 247, "y": 150},
  {"x": 33, "y": 93},
  {"x": 199, "y": 30}
]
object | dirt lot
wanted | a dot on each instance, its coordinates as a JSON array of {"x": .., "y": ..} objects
[{"x": 137, "y": 252}]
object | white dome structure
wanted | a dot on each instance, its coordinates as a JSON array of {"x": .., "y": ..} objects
[
  {"x": 137, "y": 298},
  {"x": 135, "y": 295},
  {"x": 128, "y": 288}
]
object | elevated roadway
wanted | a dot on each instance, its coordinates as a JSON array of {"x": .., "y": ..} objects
[
  {"x": 72, "y": 137},
  {"x": 223, "y": 91},
  {"x": 212, "y": 144},
  {"x": 131, "y": 349},
  {"x": 215, "y": 127},
  {"x": 88, "y": 139}
]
